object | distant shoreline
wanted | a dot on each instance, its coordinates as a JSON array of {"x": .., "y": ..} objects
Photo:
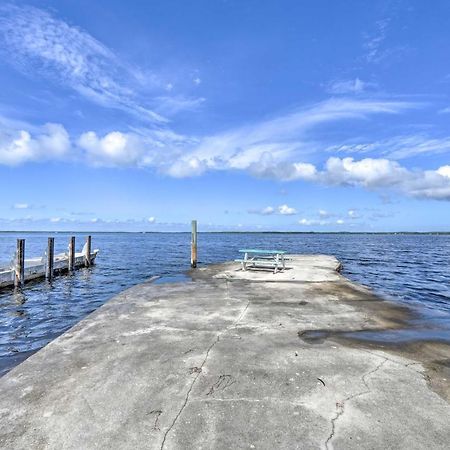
[{"x": 434, "y": 233}]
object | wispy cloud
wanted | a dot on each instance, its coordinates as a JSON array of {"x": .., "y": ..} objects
[
  {"x": 397, "y": 147},
  {"x": 355, "y": 86},
  {"x": 267, "y": 148},
  {"x": 315, "y": 222},
  {"x": 377, "y": 45},
  {"x": 373, "y": 42},
  {"x": 36, "y": 42}
]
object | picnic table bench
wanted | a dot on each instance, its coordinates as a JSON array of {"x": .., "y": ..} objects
[{"x": 272, "y": 259}]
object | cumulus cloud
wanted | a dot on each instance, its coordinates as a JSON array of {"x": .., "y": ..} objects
[
  {"x": 21, "y": 206},
  {"x": 286, "y": 210},
  {"x": 283, "y": 210},
  {"x": 367, "y": 172},
  {"x": 146, "y": 148},
  {"x": 20, "y": 146},
  {"x": 382, "y": 173},
  {"x": 151, "y": 220},
  {"x": 278, "y": 149}
]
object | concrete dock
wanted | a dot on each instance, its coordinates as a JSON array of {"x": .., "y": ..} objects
[{"x": 231, "y": 360}]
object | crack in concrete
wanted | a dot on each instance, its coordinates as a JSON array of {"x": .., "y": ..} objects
[
  {"x": 186, "y": 399},
  {"x": 407, "y": 365},
  {"x": 341, "y": 405},
  {"x": 216, "y": 340}
]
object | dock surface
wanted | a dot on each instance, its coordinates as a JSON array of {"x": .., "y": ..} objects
[{"x": 230, "y": 360}]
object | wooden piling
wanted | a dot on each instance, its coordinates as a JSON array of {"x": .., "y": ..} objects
[
  {"x": 19, "y": 278},
  {"x": 194, "y": 245},
  {"x": 87, "y": 255},
  {"x": 50, "y": 258},
  {"x": 71, "y": 253}
]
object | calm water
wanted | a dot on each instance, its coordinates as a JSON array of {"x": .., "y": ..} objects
[{"x": 410, "y": 269}]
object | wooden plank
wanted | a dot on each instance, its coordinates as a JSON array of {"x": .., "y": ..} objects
[
  {"x": 19, "y": 277},
  {"x": 50, "y": 258},
  {"x": 194, "y": 244},
  {"x": 71, "y": 253}
]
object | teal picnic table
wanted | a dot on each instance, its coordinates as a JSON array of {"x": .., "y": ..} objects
[{"x": 254, "y": 258}]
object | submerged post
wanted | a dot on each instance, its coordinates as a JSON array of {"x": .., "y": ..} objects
[
  {"x": 72, "y": 254},
  {"x": 19, "y": 276},
  {"x": 50, "y": 258},
  {"x": 87, "y": 254},
  {"x": 194, "y": 245}
]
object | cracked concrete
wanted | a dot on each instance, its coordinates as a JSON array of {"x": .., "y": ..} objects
[{"x": 230, "y": 360}]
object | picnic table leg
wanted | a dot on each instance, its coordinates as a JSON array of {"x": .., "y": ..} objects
[
  {"x": 244, "y": 263},
  {"x": 277, "y": 259},
  {"x": 283, "y": 262}
]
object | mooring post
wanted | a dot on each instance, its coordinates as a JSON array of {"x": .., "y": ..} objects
[
  {"x": 87, "y": 255},
  {"x": 19, "y": 278},
  {"x": 71, "y": 253},
  {"x": 50, "y": 258},
  {"x": 194, "y": 245}
]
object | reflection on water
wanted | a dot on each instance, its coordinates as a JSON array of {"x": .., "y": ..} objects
[{"x": 410, "y": 269}]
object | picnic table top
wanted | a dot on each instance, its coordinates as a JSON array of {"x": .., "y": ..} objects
[{"x": 262, "y": 252}]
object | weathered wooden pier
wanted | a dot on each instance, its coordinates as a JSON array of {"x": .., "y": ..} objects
[{"x": 23, "y": 269}]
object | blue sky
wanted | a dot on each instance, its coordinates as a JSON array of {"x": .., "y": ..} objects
[{"x": 246, "y": 115}]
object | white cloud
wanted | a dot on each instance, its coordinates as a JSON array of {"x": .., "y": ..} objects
[
  {"x": 21, "y": 206},
  {"x": 355, "y": 86},
  {"x": 269, "y": 148},
  {"x": 286, "y": 210},
  {"x": 197, "y": 81},
  {"x": 324, "y": 214},
  {"x": 382, "y": 173},
  {"x": 444, "y": 171},
  {"x": 398, "y": 147},
  {"x": 36, "y": 42},
  {"x": 353, "y": 214},
  {"x": 374, "y": 42},
  {"x": 19, "y": 146},
  {"x": 320, "y": 223},
  {"x": 151, "y": 220},
  {"x": 278, "y": 148},
  {"x": 174, "y": 104},
  {"x": 283, "y": 210},
  {"x": 154, "y": 148},
  {"x": 308, "y": 222},
  {"x": 267, "y": 211},
  {"x": 55, "y": 219},
  {"x": 367, "y": 172}
]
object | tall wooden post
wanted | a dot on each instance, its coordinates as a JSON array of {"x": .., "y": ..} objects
[
  {"x": 72, "y": 254},
  {"x": 50, "y": 258},
  {"x": 194, "y": 245},
  {"x": 87, "y": 255},
  {"x": 19, "y": 277}
]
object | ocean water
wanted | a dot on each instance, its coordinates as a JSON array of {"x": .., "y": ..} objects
[{"x": 413, "y": 270}]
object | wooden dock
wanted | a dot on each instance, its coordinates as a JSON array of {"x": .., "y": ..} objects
[
  {"x": 231, "y": 360},
  {"x": 25, "y": 269}
]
